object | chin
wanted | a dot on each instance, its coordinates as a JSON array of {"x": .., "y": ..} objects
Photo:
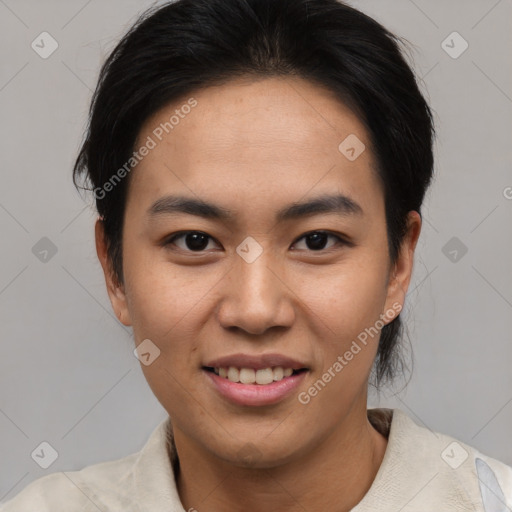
[{"x": 258, "y": 454}]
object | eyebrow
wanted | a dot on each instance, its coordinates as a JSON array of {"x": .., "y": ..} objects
[{"x": 340, "y": 204}]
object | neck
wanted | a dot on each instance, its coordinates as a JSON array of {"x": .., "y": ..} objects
[{"x": 333, "y": 475}]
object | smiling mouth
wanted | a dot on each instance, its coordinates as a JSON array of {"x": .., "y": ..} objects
[{"x": 260, "y": 377}]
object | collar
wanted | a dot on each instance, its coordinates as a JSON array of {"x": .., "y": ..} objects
[{"x": 412, "y": 473}]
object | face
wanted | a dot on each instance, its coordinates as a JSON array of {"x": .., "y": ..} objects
[{"x": 252, "y": 241}]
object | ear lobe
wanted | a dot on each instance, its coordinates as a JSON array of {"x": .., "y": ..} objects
[
  {"x": 402, "y": 269},
  {"x": 115, "y": 289}
]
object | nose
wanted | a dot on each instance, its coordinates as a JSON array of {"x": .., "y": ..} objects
[{"x": 255, "y": 296}]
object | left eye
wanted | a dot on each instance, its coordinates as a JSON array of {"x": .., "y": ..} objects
[
  {"x": 197, "y": 241},
  {"x": 316, "y": 240}
]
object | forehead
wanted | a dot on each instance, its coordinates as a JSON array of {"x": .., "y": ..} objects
[{"x": 266, "y": 138}]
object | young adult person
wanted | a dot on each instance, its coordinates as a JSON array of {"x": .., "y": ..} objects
[{"x": 259, "y": 168}]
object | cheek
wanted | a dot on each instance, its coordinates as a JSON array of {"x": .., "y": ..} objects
[
  {"x": 348, "y": 297},
  {"x": 162, "y": 297},
  {"x": 349, "y": 302},
  {"x": 168, "y": 305},
  {"x": 165, "y": 304}
]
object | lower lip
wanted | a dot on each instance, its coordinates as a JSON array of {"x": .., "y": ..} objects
[{"x": 256, "y": 394}]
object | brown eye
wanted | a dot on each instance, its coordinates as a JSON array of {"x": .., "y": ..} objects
[
  {"x": 195, "y": 241},
  {"x": 317, "y": 240}
]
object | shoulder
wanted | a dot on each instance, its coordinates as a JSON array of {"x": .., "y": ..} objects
[
  {"x": 91, "y": 489},
  {"x": 446, "y": 471},
  {"x": 141, "y": 481}
]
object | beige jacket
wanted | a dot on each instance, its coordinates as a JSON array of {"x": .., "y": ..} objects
[{"x": 421, "y": 471}]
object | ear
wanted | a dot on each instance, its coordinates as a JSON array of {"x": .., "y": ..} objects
[
  {"x": 115, "y": 290},
  {"x": 401, "y": 272}
]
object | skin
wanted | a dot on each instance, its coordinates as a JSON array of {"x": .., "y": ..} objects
[{"x": 255, "y": 146}]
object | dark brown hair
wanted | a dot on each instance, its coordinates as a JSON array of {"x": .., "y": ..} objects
[{"x": 186, "y": 45}]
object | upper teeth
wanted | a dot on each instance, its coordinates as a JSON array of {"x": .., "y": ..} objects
[{"x": 251, "y": 376}]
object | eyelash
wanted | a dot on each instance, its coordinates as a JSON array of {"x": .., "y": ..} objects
[{"x": 181, "y": 234}]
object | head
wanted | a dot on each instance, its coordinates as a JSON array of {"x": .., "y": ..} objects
[{"x": 259, "y": 169}]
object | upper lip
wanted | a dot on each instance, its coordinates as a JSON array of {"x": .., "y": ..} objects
[{"x": 257, "y": 362}]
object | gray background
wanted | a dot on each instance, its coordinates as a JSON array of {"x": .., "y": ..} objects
[{"x": 67, "y": 372}]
